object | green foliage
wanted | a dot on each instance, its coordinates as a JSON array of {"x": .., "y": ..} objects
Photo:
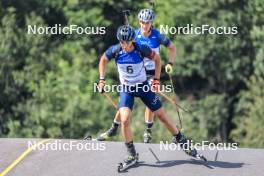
[
  {"x": 208, "y": 118},
  {"x": 249, "y": 117},
  {"x": 23, "y": 59}
]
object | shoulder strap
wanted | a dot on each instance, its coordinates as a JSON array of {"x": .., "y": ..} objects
[
  {"x": 138, "y": 49},
  {"x": 117, "y": 50}
]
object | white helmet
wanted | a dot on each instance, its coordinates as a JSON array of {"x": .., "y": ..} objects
[{"x": 146, "y": 15}]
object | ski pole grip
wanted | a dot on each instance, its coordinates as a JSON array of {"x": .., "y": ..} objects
[{"x": 126, "y": 13}]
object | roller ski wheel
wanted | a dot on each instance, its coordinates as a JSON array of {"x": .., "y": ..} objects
[
  {"x": 201, "y": 157},
  {"x": 88, "y": 137},
  {"x": 187, "y": 149},
  {"x": 195, "y": 154},
  {"x": 104, "y": 137},
  {"x": 127, "y": 163}
]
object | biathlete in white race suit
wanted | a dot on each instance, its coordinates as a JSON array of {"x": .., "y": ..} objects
[
  {"x": 129, "y": 58},
  {"x": 151, "y": 37}
]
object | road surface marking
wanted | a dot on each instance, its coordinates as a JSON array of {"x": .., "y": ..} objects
[{"x": 22, "y": 156}]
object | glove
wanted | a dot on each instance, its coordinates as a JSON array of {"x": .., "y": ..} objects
[
  {"x": 101, "y": 85},
  {"x": 155, "y": 87},
  {"x": 169, "y": 68}
]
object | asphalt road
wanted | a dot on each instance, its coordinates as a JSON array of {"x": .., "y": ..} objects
[{"x": 89, "y": 158}]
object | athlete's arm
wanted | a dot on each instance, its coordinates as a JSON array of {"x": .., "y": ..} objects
[
  {"x": 102, "y": 66},
  {"x": 167, "y": 43},
  {"x": 157, "y": 66},
  {"x": 108, "y": 55},
  {"x": 172, "y": 52},
  {"x": 151, "y": 54},
  {"x": 157, "y": 61}
]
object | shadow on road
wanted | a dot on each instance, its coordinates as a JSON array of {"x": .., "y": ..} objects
[{"x": 208, "y": 164}]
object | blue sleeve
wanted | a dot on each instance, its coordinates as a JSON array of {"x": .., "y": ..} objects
[
  {"x": 163, "y": 39},
  {"x": 146, "y": 51},
  {"x": 112, "y": 51},
  {"x": 137, "y": 31}
]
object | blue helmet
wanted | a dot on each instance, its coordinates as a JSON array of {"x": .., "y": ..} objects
[
  {"x": 146, "y": 15},
  {"x": 125, "y": 33}
]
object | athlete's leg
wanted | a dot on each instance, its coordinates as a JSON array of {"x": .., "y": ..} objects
[
  {"x": 125, "y": 106},
  {"x": 125, "y": 114},
  {"x": 149, "y": 115},
  {"x": 117, "y": 118},
  {"x": 153, "y": 103},
  {"x": 160, "y": 113},
  {"x": 112, "y": 131}
]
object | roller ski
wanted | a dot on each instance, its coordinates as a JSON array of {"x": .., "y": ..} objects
[
  {"x": 185, "y": 145},
  {"x": 89, "y": 137},
  {"x": 195, "y": 154},
  {"x": 130, "y": 161}
]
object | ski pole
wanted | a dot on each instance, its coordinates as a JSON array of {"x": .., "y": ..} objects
[
  {"x": 152, "y": 4},
  {"x": 175, "y": 99},
  {"x": 110, "y": 100},
  {"x": 172, "y": 101},
  {"x": 126, "y": 13}
]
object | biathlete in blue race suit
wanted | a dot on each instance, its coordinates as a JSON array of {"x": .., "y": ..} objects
[{"x": 129, "y": 58}]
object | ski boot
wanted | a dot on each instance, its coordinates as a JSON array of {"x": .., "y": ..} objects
[
  {"x": 147, "y": 135},
  {"x": 108, "y": 134},
  {"x": 185, "y": 144},
  {"x": 130, "y": 161}
]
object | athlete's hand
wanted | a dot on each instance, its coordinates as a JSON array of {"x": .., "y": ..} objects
[
  {"x": 101, "y": 85},
  {"x": 155, "y": 85},
  {"x": 169, "y": 68}
]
